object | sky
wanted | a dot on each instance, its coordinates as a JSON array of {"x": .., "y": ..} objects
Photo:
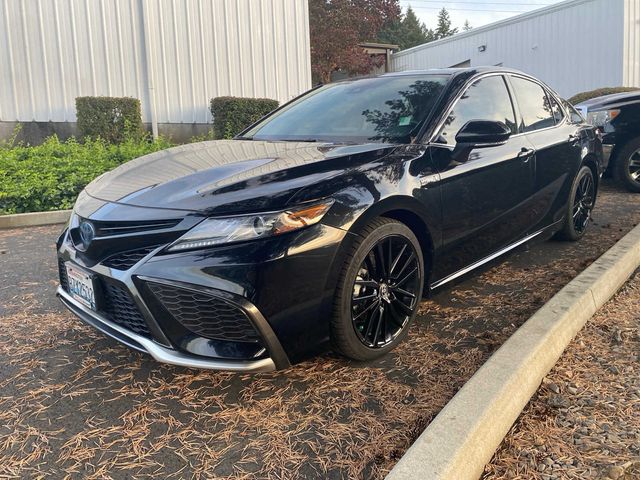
[{"x": 478, "y": 12}]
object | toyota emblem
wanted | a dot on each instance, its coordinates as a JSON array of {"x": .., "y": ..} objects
[{"x": 87, "y": 233}]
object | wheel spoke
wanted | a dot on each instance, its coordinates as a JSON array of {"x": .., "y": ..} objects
[
  {"x": 367, "y": 283},
  {"x": 405, "y": 309},
  {"x": 379, "y": 325},
  {"x": 367, "y": 309},
  {"x": 403, "y": 292},
  {"x": 394, "y": 264},
  {"x": 365, "y": 298},
  {"x": 396, "y": 318},
  {"x": 380, "y": 259},
  {"x": 406, "y": 277},
  {"x": 373, "y": 318},
  {"x": 406, "y": 264}
]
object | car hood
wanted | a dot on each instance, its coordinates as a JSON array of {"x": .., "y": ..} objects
[
  {"x": 610, "y": 101},
  {"x": 228, "y": 176}
]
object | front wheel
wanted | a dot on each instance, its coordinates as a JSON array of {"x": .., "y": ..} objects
[
  {"x": 582, "y": 199},
  {"x": 626, "y": 167},
  {"x": 378, "y": 292}
]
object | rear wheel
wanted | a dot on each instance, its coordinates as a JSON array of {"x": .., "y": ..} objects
[
  {"x": 581, "y": 202},
  {"x": 626, "y": 167},
  {"x": 378, "y": 292}
]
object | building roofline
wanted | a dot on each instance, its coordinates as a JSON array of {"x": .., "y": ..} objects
[{"x": 500, "y": 23}]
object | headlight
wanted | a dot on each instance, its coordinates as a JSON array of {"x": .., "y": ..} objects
[
  {"x": 223, "y": 230},
  {"x": 601, "y": 117}
]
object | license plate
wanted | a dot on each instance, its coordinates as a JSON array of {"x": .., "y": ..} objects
[{"x": 81, "y": 286}]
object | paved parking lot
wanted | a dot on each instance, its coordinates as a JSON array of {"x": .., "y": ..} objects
[{"x": 75, "y": 403}]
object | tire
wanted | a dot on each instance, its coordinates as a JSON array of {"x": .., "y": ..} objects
[
  {"x": 582, "y": 199},
  {"x": 368, "y": 319},
  {"x": 626, "y": 166}
]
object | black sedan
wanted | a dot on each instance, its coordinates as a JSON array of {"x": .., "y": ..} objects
[
  {"x": 617, "y": 117},
  {"x": 325, "y": 222}
]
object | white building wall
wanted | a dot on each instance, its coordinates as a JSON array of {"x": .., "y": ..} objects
[
  {"x": 573, "y": 46},
  {"x": 52, "y": 51},
  {"x": 632, "y": 43}
]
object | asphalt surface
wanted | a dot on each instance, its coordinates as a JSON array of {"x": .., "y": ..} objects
[{"x": 74, "y": 403}]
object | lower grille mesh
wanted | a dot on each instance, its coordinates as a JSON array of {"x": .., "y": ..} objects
[
  {"x": 121, "y": 309},
  {"x": 118, "y": 305},
  {"x": 62, "y": 271},
  {"x": 205, "y": 315}
]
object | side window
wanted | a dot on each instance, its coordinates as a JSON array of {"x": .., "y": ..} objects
[
  {"x": 534, "y": 105},
  {"x": 485, "y": 99},
  {"x": 558, "y": 114},
  {"x": 574, "y": 116}
]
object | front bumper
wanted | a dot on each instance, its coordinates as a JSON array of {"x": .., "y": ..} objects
[
  {"x": 157, "y": 351},
  {"x": 282, "y": 286}
]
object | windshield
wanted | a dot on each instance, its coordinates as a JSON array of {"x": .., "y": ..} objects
[{"x": 382, "y": 109}]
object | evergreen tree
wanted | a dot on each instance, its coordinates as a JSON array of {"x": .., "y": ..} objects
[
  {"x": 406, "y": 31},
  {"x": 467, "y": 26},
  {"x": 444, "y": 25}
]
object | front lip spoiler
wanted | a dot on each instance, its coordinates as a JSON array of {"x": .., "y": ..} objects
[{"x": 158, "y": 352}]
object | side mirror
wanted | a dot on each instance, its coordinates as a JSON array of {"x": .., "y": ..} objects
[{"x": 483, "y": 133}]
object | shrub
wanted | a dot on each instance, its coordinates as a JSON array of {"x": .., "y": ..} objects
[
  {"x": 110, "y": 118},
  {"x": 584, "y": 96},
  {"x": 50, "y": 176},
  {"x": 231, "y": 115}
]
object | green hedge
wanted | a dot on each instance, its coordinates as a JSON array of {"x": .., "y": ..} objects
[
  {"x": 584, "y": 96},
  {"x": 50, "y": 176},
  {"x": 231, "y": 115},
  {"x": 110, "y": 118}
]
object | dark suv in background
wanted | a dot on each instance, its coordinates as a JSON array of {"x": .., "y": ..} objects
[{"x": 617, "y": 116}]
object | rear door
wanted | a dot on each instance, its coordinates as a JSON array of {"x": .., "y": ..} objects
[
  {"x": 485, "y": 196},
  {"x": 556, "y": 142}
]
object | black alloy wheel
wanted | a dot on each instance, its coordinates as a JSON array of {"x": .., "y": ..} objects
[
  {"x": 583, "y": 202},
  {"x": 379, "y": 291},
  {"x": 580, "y": 205}
]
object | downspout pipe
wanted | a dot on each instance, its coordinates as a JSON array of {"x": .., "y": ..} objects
[{"x": 148, "y": 66}]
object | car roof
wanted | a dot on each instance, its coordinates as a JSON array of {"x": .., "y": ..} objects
[{"x": 455, "y": 71}]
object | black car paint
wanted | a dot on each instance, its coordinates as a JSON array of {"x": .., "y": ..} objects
[
  {"x": 623, "y": 128},
  {"x": 461, "y": 211}
]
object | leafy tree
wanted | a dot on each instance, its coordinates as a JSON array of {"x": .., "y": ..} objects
[
  {"x": 467, "y": 26},
  {"x": 443, "y": 28},
  {"x": 337, "y": 29}
]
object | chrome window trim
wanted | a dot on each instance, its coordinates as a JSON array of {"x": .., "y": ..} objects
[{"x": 431, "y": 141}]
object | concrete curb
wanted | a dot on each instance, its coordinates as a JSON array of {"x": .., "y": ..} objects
[
  {"x": 461, "y": 440},
  {"x": 34, "y": 219}
]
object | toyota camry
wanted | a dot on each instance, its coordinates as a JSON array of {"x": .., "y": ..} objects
[{"x": 324, "y": 224}]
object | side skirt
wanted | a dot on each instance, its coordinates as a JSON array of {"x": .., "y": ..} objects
[{"x": 491, "y": 257}]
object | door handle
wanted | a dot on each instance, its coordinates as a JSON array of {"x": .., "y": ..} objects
[
  {"x": 526, "y": 153},
  {"x": 573, "y": 139}
]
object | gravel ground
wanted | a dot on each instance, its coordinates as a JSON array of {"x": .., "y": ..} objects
[
  {"x": 74, "y": 403},
  {"x": 584, "y": 421}
]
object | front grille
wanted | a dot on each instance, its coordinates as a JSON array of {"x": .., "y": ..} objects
[
  {"x": 120, "y": 308},
  {"x": 126, "y": 260},
  {"x": 205, "y": 315},
  {"x": 105, "y": 229}
]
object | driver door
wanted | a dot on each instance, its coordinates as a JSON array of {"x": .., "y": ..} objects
[{"x": 485, "y": 193}]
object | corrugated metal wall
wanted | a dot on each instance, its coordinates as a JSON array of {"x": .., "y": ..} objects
[
  {"x": 573, "y": 46},
  {"x": 632, "y": 43},
  {"x": 52, "y": 51}
]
